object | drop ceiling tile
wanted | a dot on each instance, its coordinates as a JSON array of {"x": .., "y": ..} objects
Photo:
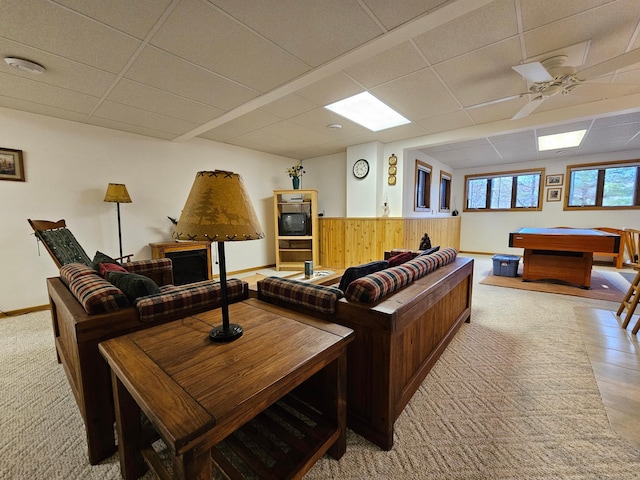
[
  {"x": 60, "y": 71},
  {"x": 56, "y": 29},
  {"x": 289, "y": 24},
  {"x": 152, "y": 99},
  {"x": 497, "y": 111},
  {"x": 331, "y": 89},
  {"x": 536, "y": 13},
  {"x": 168, "y": 72},
  {"x": 320, "y": 118},
  {"x": 389, "y": 65},
  {"x": 485, "y": 74},
  {"x": 608, "y": 28},
  {"x": 289, "y": 106},
  {"x": 257, "y": 119},
  {"x": 303, "y": 135},
  {"x": 446, "y": 122},
  {"x": 143, "y": 118},
  {"x": 126, "y": 127},
  {"x": 479, "y": 28},
  {"x": 398, "y": 12},
  {"x": 38, "y": 108},
  {"x": 228, "y": 130},
  {"x": 203, "y": 35},
  {"x": 261, "y": 137},
  {"x": 47, "y": 95},
  {"x": 402, "y": 132},
  {"x": 522, "y": 136},
  {"x": 135, "y": 18},
  {"x": 429, "y": 98},
  {"x": 616, "y": 120}
]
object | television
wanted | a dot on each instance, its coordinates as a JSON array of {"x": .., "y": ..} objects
[{"x": 292, "y": 224}]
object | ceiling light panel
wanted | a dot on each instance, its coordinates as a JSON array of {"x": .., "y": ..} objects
[{"x": 368, "y": 111}]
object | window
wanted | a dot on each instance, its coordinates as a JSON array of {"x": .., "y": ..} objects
[
  {"x": 423, "y": 186},
  {"x": 518, "y": 190},
  {"x": 606, "y": 186},
  {"x": 445, "y": 191}
]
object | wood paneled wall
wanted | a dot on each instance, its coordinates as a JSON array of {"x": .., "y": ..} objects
[{"x": 353, "y": 241}]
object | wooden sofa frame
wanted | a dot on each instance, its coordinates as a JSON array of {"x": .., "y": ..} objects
[{"x": 397, "y": 342}]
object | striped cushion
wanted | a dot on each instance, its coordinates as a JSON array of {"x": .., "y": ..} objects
[
  {"x": 315, "y": 297},
  {"x": 445, "y": 256},
  {"x": 186, "y": 298},
  {"x": 71, "y": 271},
  {"x": 373, "y": 287},
  {"x": 95, "y": 294}
]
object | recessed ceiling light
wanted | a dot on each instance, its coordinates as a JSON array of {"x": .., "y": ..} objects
[
  {"x": 368, "y": 111},
  {"x": 24, "y": 65},
  {"x": 560, "y": 140}
]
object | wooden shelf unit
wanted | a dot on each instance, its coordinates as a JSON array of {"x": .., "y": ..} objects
[{"x": 293, "y": 250}]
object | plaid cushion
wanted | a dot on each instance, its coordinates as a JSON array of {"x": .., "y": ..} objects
[
  {"x": 376, "y": 285},
  {"x": 146, "y": 267},
  {"x": 373, "y": 287},
  {"x": 95, "y": 294},
  {"x": 316, "y": 297},
  {"x": 71, "y": 271},
  {"x": 186, "y": 298},
  {"x": 445, "y": 256}
]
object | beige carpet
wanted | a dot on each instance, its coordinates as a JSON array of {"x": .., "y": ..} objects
[
  {"x": 605, "y": 285},
  {"x": 513, "y": 397}
]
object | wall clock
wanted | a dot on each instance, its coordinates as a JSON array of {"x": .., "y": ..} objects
[{"x": 360, "y": 168}]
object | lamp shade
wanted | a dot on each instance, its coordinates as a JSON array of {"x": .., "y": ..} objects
[
  {"x": 218, "y": 209},
  {"x": 117, "y": 192}
]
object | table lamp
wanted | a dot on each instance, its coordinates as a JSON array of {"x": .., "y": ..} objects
[
  {"x": 218, "y": 209},
  {"x": 117, "y": 192}
]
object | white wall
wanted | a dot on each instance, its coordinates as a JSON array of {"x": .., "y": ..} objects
[
  {"x": 362, "y": 194},
  {"x": 68, "y": 166},
  {"x": 488, "y": 232},
  {"x": 326, "y": 174}
]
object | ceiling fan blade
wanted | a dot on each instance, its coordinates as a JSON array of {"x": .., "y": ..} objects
[
  {"x": 534, "y": 72},
  {"x": 493, "y": 102},
  {"x": 528, "y": 108},
  {"x": 608, "y": 66}
]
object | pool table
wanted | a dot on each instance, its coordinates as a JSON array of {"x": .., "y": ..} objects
[{"x": 564, "y": 254}]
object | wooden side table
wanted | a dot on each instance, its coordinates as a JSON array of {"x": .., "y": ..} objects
[{"x": 197, "y": 393}]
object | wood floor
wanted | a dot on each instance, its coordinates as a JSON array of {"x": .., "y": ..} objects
[{"x": 615, "y": 358}]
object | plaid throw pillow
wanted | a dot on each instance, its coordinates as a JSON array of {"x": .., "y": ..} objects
[{"x": 319, "y": 298}]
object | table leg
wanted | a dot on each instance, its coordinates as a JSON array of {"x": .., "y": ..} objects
[
  {"x": 336, "y": 402},
  {"x": 132, "y": 465},
  {"x": 192, "y": 466}
]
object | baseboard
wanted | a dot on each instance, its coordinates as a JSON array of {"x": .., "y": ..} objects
[{"x": 22, "y": 311}]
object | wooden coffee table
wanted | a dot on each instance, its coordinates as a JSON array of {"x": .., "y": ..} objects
[{"x": 227, "y": 402}]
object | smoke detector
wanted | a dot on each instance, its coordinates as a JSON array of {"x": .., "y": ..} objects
[{"x": 24, "y": 65}]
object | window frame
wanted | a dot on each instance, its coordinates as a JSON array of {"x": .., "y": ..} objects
[
  {"x": 601, "y": 167},
  {"x": 445, "y": 176},
  {"x": 421, "y": 166},
  {"x": 509, "y": 173}
]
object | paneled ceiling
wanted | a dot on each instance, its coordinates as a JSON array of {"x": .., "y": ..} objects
[{"x": 258, "y": 73}]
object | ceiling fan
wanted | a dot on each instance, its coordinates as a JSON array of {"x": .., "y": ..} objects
[{"x": 553, "y": 76}]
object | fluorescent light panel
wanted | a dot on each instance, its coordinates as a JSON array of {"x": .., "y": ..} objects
[
  {"x": 368, "y": 111},
  {"x": 560, "y": 140}
]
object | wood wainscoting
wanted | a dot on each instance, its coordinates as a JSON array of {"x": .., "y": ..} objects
[{"x": 353, "y": 241}]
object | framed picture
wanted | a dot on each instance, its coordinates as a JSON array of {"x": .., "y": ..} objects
[
  {"x": 11, "y": 165},
  {"x": 554, "y": 180},
  {"x": 554, "y": 194}
]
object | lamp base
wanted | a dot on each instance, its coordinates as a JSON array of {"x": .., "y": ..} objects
[{"x": 221, "y": 334}]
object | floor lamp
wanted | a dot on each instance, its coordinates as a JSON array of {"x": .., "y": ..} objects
[
  {"x": 219, "y": 209},
  {"x": 117, "y": 192}
]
